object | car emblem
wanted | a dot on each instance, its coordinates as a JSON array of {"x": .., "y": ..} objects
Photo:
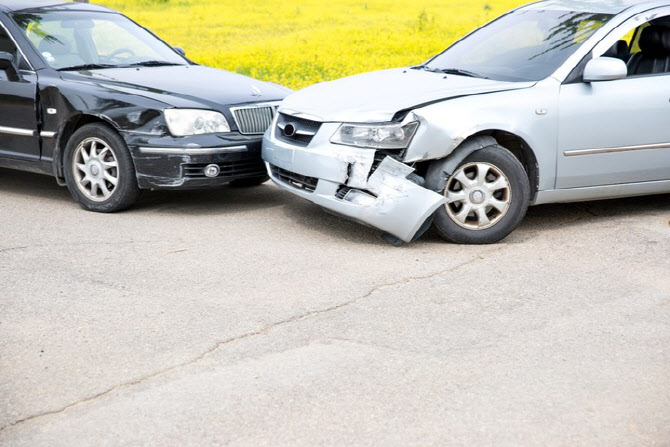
[{"x": 255, "y": 91}]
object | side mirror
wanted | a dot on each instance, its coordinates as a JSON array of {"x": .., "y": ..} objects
[
  {"x": 8, "y": 66},
  {"x": 605, "y": 69},
  {"x": 179, "y": 50}
]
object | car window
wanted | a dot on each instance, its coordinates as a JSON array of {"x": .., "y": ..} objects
[
  {"x": 67, "y": 39},
  {"x": 627, "y": 48},
  {"x": 7, "y": 45},
  {"x": 105, "y": 46},
  {"x": 56, "y": 44},
  {"x": 525, "y": 45},
  {"x": 635, "y": 38}
]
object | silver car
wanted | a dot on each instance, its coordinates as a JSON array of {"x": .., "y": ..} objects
[{"x": 557, "y": 101}]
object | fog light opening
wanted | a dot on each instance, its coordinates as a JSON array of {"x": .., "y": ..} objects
[
  {"x": 212, "y": 171},
  {"x": 360, "y": 198}
]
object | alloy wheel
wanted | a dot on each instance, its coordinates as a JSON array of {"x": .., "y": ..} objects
[{"x": 96, "y": 169}]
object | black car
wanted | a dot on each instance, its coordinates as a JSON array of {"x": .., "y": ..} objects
[{"x": 92, "y": 98}]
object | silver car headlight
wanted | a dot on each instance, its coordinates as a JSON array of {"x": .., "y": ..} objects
[
  {"x": 376, "y": 136},
  {"x": 183, "y": 122}
]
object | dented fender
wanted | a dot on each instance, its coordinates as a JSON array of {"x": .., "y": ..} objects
[
  {"x": 529, "y": 113},
  {"x": 439, "y": 173}
]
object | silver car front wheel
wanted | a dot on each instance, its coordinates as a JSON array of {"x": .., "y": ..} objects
[{"x": 487, "y": 196}]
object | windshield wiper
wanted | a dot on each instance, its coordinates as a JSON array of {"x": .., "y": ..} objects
[
  {"x": 87, "y": 67},
  {"x": 427, "y": 68},
  {"x": 458, "y": 71},
  {"x": 152, "y": 64}
]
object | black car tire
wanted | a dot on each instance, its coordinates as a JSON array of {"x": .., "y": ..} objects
[
  {"x": 125, "y": 193},
  {"x": 249, "y": 182},
  {"x": 497, "y": 163}
]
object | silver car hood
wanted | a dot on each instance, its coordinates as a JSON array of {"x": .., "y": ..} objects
[{"x": 379, "y": 95}]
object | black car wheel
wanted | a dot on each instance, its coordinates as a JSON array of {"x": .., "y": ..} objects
[
  {"x": 487, "y": 198},
  {"x": 248, "y": 182},
  {"x": 99, "y": 170}
]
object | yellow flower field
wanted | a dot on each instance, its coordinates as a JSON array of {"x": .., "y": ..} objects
[{"x": 298, "y": 43}]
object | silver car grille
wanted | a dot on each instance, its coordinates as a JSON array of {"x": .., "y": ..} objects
[
  {"x": 254, "y": 120},
  {"x": 296, "y": 131}
]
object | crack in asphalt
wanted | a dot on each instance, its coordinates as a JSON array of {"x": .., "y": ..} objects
[
  {"x": 3, "y": 250},
  {"x": 262, "y": 331},
  {"x": 74, "y": 244}
]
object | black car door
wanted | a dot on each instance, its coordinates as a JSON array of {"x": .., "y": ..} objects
[{"x": 18, "y": 116}]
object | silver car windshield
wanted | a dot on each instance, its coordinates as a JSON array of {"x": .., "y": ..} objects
[
  {"x": 524, "y": 45},
  {"x": 82, "y": 39}
]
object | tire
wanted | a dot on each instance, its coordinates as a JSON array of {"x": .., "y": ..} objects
[
  {"x": 96, "y": 157},
  {"x": 249, "y": 182},
  {"x": 488, "y": 202}
]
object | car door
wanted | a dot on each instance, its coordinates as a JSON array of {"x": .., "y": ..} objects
[
  {"x": 614, "y": 132},
  {"x": 18, "y": 116}
]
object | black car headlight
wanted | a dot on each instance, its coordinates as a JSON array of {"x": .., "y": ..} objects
[{"x": 184, "y": 122}]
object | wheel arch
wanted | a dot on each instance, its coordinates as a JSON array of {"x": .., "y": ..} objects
[
  {"x": 510, "y": 141},
  {"x": 67, "y": 130}
]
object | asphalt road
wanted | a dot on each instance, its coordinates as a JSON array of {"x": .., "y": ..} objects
[{"x": 250, "y": 317}]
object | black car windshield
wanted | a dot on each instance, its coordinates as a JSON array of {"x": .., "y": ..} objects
[
  {"x": 84, "y": 39},
  {"x": 524, "y": 45}
]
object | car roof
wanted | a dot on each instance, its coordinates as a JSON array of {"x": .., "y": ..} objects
[
  {"x": 600, "y": 6},
  {"x": 31, "y": 5}
]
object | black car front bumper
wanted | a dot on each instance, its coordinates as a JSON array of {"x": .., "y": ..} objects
[{"x": 179, "y": 163}]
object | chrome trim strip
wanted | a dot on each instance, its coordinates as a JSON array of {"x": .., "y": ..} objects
[
  {"x": 15, "y": 131},
  {"x": 45, "y": 134},
  {"x": 256, "y": 105},
  {"x": 192, "y": 150},
  {"x": 306, "y": 116},
  {"x": 305, "y": 133},
  {"x": 609, "y": 150}
]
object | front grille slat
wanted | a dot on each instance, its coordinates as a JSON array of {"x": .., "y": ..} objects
[
  {"x": 253, "y": 120},
  {"x": 296, "y": 180},
  {"x": 304, "y": 130}
]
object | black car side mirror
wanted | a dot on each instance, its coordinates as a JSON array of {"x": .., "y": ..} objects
[
  {"x": 8, "y": 66},
  {"x": 179, "y": 50}
]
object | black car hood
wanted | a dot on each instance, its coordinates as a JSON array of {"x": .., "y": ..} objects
[{"x": 182, "y": 86}]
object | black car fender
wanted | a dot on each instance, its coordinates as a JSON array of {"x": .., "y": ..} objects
[{"x": 63, "y": 109}]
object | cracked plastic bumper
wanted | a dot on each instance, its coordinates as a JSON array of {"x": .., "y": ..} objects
[
  {"x": 338, "y": 178},
  {"x": 165, "y": 162}
]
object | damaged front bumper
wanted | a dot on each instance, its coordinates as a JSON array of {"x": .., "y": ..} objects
[
  {"x": 350, "y": 182},
  {"x": 166, "y": 162}
]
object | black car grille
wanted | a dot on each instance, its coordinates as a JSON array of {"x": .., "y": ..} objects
[
  {"x": 296, "y": 131},
  {"x": 243, "y": 168},
  {"x": 296, "y": 180},
  {"x": 253, "y": 120}
]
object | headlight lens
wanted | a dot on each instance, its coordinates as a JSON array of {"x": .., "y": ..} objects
[
  {"x": 183, "y": 122},
  {"x": 376, "y": 136}
]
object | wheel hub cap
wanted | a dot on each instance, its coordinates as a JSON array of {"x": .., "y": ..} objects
[
  {"x": 478, "y": 196},
  {"x": 94, "y": 170}
]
